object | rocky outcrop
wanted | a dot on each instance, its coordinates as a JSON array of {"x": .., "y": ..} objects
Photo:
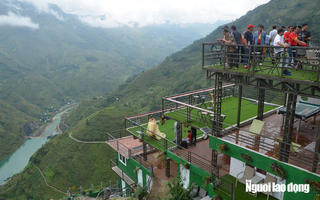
[{"x": 30, "y": 127}]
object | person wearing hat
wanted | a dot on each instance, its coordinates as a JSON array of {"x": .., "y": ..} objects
[
  {"x": 248, "y": 38},
  {"x": 259, "y": 38}
]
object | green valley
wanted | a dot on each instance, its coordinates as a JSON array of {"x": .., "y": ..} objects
[{"x": 115, "y": 73}]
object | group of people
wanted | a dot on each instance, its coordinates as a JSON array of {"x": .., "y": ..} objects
[
  {"x": 154, "y": 132},
  {"x": 279, "y": 38}
]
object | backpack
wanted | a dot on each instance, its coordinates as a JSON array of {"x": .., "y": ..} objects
[{"x": 242, "y": 39}]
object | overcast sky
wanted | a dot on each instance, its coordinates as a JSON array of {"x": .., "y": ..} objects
[{"x": 145, "y": 12}]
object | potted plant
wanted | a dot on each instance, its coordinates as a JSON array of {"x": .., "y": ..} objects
[
  {"x": 222, "y": 147},
  {"x": 246, "y": 157},
  {"x": 279, "y": 171},
  {"x": 206, "y": 180},
  {"x": 186, "y": 165},
  {"x": 136, "y": 170}
]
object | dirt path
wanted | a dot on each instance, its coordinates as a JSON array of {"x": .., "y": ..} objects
[{"x": 45, "y": 180}]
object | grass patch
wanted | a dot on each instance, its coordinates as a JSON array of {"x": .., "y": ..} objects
[
  {"x": 296, "y": 74},
  {"x": 229, "y": 108}
]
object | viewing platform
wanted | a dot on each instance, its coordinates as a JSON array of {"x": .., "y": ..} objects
[{"x": 267, "y": 69}]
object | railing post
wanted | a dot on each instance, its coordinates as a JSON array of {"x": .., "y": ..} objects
[
  {"x": 165, "y": 145},
  {"x": 129, "y": 153},
  {"x": 317, "y": 152},
  {"x": 151, "y": 170},
  {"x": 232, "y": 192},
  {"x": 202, "y": 55}
]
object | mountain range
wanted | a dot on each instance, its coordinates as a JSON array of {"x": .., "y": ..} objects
[
  {"x": 49, "y": 57},
  {"x": 142, "y": 92}
]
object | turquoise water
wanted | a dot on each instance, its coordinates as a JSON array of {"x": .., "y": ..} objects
[{"x": 16, "y": 162}]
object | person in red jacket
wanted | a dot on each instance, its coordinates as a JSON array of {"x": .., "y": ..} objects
[
  {"x": 294, "y": 41},
  {"x": 287, "y": 34},
  {"x": 188, "y": 138}
]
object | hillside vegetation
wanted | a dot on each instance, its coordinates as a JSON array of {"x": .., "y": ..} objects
[
  {"x": 178, "y": 73},
  {"x": 42, "y": 69}
]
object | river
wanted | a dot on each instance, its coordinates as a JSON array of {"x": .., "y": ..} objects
[{"x": 16, "y": 162}]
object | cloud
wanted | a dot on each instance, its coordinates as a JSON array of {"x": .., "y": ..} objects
[
  {"x": 17, "y": 21},
  {"x": 54, "y": 13},
  {"x": 102, "y": 13}
]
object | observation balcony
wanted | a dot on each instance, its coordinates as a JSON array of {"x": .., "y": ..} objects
[{"x": 265, "y": 68}]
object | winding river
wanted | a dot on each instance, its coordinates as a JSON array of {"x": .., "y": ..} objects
[{"x": 19, "y": 159}]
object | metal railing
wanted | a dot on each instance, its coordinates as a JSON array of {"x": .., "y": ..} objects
[
  {"x": 270, "y": 146},
  {"x": 127, "y": 152},
  {"x": 137, "y": 126},
  {"x": 124, "y": 176},
  {"x": 216, "y": 56}
]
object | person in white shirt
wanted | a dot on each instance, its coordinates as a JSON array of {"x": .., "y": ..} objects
[
  {"x": 279, "y": 49},
  {"x": 272, "y": 35}
]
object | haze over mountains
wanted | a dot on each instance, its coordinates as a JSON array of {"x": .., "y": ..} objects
[{"x": 47, "y": 57}]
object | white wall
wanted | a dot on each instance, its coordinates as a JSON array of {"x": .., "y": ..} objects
[
  {"x": 185, "y": 176},
  {"x": 140, "y": 178}
]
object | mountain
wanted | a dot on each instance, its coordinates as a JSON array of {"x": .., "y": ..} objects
[
  {"x": 48, "y": 57},
  {"x": 179, "y": 72},
  {"x": 80, "y": 60}
]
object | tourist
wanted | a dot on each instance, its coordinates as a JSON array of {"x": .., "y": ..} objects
[
  {"x": 193, "y": 136},
  {"x": 287, "y": 34},
  {"x": 294, "y": 41},
  {"x": 237, "y": 36},
  {"x": 284, "y": 28},
  {"x": 176, "y": 132},
  {"x": 232, "y": 54},
  {"x": 304, "y": 35},
  {"x": 273, "y": 34},
  {"x": 248, "y": 38},
  {"x": 259, "y": 38},
  {"x": 279, "y": 52},
  {"x": 188, "y": 138}
]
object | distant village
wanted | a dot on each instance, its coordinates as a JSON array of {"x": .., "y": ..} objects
[{"x": 47, "y": 115}]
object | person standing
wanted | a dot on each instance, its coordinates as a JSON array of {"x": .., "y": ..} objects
[
  {"x": 304, "y": 35},
  {"x": 237, "y": 36},
  {"x": 287, "y": 34},
  {"x": 248, "y": 40},
  {"x": 176, "y": 132},
  {"x": 272, "y": 35},
  {"x": 193, "y": 136},
  {"x": 294, "y": 41},
  {"x": 279, "y": 52},
  {"x": 231, "y": 55},
  {"x": 259, "y": 38}
]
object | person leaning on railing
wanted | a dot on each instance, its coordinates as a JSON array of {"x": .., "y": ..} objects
[
  {"x": 232, "y": 50},
  {"x": 294, "y": 41},
  {"x": 279, "y": 52}
]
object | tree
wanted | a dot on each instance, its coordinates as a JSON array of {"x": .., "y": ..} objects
[{"x": 176, "y": 190}]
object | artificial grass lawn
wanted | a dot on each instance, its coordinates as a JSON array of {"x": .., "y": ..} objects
[
  {"x": 229, "y": 108},
  {"x": 168, "y": 129},
  {"x": 240, "y": 193},
  {"x": 295, "y": 74}
]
